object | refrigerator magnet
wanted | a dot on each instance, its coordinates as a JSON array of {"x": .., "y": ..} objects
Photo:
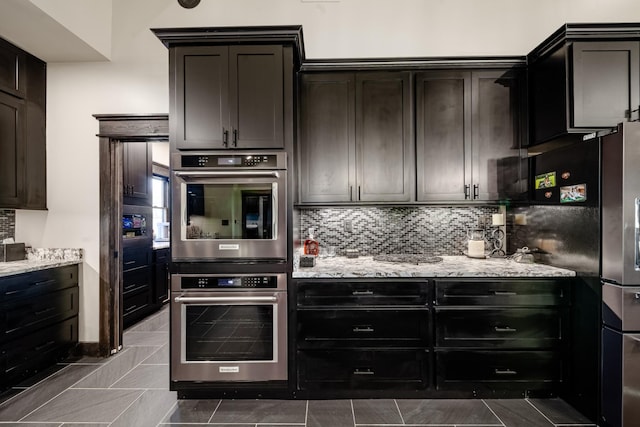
[
  {"x": 573, "y": 193},
  {"x": 545, "y": 180}
]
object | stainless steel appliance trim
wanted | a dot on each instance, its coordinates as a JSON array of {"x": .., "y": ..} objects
[
  {"x": 205, "y": 174},
  {"x": 225, "y": 299},
  {"x": 176, "y": 283},
  {"x": 259, "y": 370}
]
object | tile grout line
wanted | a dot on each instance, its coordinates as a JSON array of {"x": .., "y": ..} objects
[
  {"x": 306, "y": 414},
  {"x": 353, "y": 412},
  {"x": 493, "y": 412},
  {"x": 399, "y": 411},
  {"x": 128, "y": 406},
  {"x": 541, "y": 413},
  {"x": 214, "y": 411},
  {"x": 168, "y": 411}
]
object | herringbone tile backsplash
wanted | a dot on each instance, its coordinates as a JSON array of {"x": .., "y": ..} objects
[{"x": 380, "y": 230}]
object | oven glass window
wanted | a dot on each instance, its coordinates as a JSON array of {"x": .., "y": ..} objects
[
  {"x": 230, "y": 211},
  {"x": 233, "y": 333}
]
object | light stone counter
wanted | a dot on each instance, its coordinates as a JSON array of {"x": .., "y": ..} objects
[
  {"x": 41, "y": 259},
  {"x": 451, "y": 266}
]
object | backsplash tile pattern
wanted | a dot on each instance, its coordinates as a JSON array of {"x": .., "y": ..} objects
[
  {"x": 7, "y": 223},
  {"x": 387, "y": 230}
]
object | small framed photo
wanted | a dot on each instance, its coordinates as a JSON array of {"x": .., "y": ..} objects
[
  {"x": 573, "y": 193},
  {"x": 546, "y": 180}
]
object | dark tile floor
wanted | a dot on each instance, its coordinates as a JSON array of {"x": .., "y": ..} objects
[{"x": 131, "y": 389}]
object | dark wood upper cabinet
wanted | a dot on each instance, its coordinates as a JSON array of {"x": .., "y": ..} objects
[
  {"x": 384, "y": 144},
  {"x": 137, "y": 173},
  {"x": 12, "y": 150},
  {"x": 228, "y": 96},
  {"x": 22, "y": 129},
  {"x": 355, "y": 137},
  {"x": 582, "y": 86},
  {"x": 327, "y": 135},
  {"x": 468, "y": 135}
]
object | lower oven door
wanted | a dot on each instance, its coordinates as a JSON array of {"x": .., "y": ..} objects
[{"x": 229, "y": 336}]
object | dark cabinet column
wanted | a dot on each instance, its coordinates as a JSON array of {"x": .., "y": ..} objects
[
  {"x": 12, "y": 151},
  {"x": 327, "y": 137},
  {"x": 201, "y": 97},
  {"x": 443, "y": 115},
  {"x": 256, "y": 105},
  {"x": 495, "y": 135},
  {"x": 137, "y": 173},
  {"x": 384, "y": 146},
  {"x": 606, "y": 82}
]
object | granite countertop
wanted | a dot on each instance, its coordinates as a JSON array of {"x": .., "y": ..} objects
[
  {"x": 451, "y": 266},
  {"x": 161, "y": 245},
  {"x": 41, "y": 259}
]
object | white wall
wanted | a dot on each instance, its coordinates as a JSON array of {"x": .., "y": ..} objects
[{"x": 136, "y": 79}]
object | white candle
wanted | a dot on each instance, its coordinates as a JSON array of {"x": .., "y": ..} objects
[
  {"x": 476, "y": 248},
  {"x": 497, "y": 219}
]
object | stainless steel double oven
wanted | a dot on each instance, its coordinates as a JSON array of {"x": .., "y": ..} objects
[{"x": 229, "y": 246}]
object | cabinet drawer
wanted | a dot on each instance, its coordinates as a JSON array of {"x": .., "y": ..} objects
[
  {"x": 497, "y": 369},
  {"x": 363, "y": 327},
  {"x": 511, "y": 328},
  {"x": 22, "y": 316},
  {"x": 38, "y": 282},
  {"x": 161, "y": 256},
  {"x": 351, "y": 293},
  {"x": 362, "y": 369},
  {"x": 133, "y": 305},
  {"x": 516, "y": 292},
  {"x": 136, "y": 280},
  {"x": 135, "y": 257},
  {"x": 23, "y": 356}
]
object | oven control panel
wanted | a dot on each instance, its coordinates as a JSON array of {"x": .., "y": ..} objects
[
  {"x": 230, "y": 282},
  {"x": 229, "y": 161}
]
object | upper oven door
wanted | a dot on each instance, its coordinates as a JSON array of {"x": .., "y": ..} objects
[{"x": 229, "y": 214}]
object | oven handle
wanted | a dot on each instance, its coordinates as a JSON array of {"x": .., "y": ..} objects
[
  {"x": 226, "y": 299},
  {"x": 204, "y": 174}
]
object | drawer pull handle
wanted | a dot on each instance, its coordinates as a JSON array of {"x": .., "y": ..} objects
[
  {"x": 128, "y": 309},
  {"x": 363, "y": 372},
  {"x": 45, "y": 282},
  {"x": 362, "y": 292},
  {"x": 129, "y": 262},
  {"x": 46, "y": 310},
  {"x": 505, "y": 329},
  {"x": 505, "y": 293},
  {"x": 505, "y": 372},
  {"x": 362, "y": 329},
  {"x": 45, "y": 345}
]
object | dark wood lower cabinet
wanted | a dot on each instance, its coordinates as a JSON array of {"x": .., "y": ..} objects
[
  {"x": 431, "y": 338},
  {"x": 38, "y": 321}
]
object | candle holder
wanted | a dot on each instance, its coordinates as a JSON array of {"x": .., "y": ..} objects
[{"x": 495, "y": 237}]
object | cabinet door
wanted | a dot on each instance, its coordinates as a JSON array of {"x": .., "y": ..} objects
[
  {"x": 12, "y": 69},
  {"x": 327, "y": 138},
  {"x": 201, "y": 78},
  {"x": 443, "y": 114},
  {"x": 137, "y": 172},
  {"x": 256, "y": 101},
  {"x": 606, "y": 82},
  {"x": 495, "y": 167},
  {"x": 12, "y": 151},
  {"x": 384, "y": 146}
]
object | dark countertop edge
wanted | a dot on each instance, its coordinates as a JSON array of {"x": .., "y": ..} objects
[
  {"x": 28, "y": 266},
  {"x": 310, "y": 275}
]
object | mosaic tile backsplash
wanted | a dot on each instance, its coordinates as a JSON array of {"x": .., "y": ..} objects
[
  {"x": 380, "y": 230},
  {"x": 7, "y": 223}
]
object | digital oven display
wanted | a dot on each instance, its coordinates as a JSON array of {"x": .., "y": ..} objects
[
  {"x": 229, "y": 161},
  {"x": 232, "y": 282},
  {"x": 204, "y": 282}
]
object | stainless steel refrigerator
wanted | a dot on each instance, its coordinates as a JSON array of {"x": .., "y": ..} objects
[{"x": 620, "y": 275}]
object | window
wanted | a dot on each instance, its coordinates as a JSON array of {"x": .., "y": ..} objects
[{"x": 160, "y": 205}]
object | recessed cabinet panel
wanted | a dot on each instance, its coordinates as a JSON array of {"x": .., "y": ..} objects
[
  {"x": 12, "y": 70},
  {"x": 498, "y": 328},
  {"x": 137, "y": 173},
  {"x": 383, "y": 144},
  {"x": 606, "y": 82},
  {"x": 12, "y": 150},
  {"x": 443, "y": 114},
  {"x": 495, "y": 135},
  {"x": 327, "y": 137},
  {"x": 203, "y": 101},
  {"x": 257, "y": 106},
  {"x": 501, "y": 292}
]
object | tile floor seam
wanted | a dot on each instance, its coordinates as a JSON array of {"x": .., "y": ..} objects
[
  {"x": 25, "y": 389},
  {"x": 128, "y": 406},
  {"x": 399, "y": 411},
  {"x": 541, "y": 413},
  {"x": 493, "y": 412},
  {"x": 214, "y": 411},
  {"x": 353, "y": 412},
  {"x": 168, "y": 412},
  {"x": 124, "y": 375},
  {"x": 306, "y": 413}
]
